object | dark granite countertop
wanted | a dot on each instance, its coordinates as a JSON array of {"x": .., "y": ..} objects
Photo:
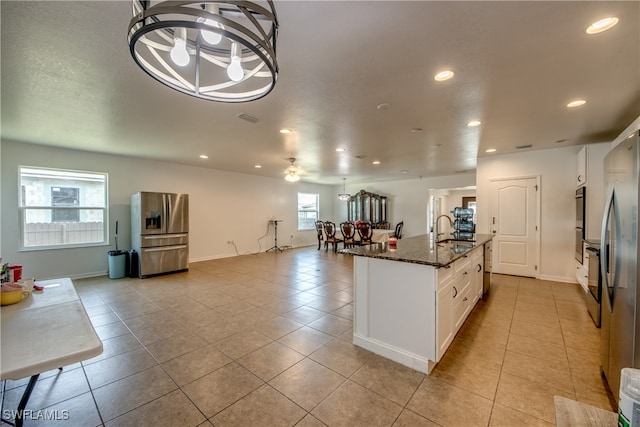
[{"x": 421, "y": 250}]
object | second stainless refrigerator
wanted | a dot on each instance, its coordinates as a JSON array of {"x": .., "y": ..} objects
[
  {"x": 619, "y": 252},
  {"x": 160, "y": 232}
]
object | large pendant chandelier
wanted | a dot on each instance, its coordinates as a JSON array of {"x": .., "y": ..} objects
[
  {"x": 216, "y": 50},
  {"x": 344, "y": 196}
]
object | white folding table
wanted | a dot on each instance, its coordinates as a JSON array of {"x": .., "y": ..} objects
[{"x": 48, "y": 330}]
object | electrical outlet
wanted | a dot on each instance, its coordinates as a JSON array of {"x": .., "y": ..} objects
[{"x": 230, "y": 242}]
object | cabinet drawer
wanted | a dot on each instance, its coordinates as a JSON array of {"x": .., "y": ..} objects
[
  {"x": 461, "y": 305},
  {"x": 461, "y": 265}
]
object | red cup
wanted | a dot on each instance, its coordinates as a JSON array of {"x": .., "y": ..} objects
[{"x": 15, "y": 273}]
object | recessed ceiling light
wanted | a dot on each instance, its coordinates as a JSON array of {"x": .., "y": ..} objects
[
  {"x": 204, "y": 156},
  {"x": 602, "y": 25},
  {"x": 341, "y": 150},
  {"x": 258, "y": 166},
  {"x": 416, "y": 130},
  {"x": 285, "y": 131},
  {"x": 473, "y": 123},
  {"x": 520, "y": 147},
  {"x": 490, "y": 150},
  {"x": 384, "y": 106},
  {"x": 443, "y": 75},
  {"x": 576, "y": 103},
  {"x": 376, "y": 162},
  {"x": 404, "y": 171}
]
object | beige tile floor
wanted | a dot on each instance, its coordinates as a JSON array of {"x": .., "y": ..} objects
[{"x": 265, "y": 340}]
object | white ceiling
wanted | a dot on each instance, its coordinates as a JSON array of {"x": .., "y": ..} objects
[{"x": 68, "y": 80}]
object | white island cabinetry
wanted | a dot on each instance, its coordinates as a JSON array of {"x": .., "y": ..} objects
[
  {"x": 410, "y": 311},
  {"x": 444, "y": 310}
]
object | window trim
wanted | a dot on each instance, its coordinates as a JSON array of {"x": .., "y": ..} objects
[{"x": 23, "y": 209}]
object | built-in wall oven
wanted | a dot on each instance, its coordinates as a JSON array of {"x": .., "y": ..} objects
[{"x": 580, "y": 213}]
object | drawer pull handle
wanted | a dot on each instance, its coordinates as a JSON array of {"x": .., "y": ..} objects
[
  {"x": 464, "y": 299},
  {"x": 479, "y": 268},
  {"x": 466, "y": 272},
  {"x": 456, "y": 292}
]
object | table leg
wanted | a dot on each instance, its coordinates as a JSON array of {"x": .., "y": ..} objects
[{"x": 25, "y": 399}]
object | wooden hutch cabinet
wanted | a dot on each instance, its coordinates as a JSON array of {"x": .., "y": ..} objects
[{"x": 365, "y": 206}]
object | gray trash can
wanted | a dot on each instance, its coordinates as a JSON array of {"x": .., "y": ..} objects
[{"x": 117, "y": 264}]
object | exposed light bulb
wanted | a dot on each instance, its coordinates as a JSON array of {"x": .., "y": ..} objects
[
  {"x": 211, "y": 37},
  {"x": 235, "y": 71},
  {"x": 179, "y": 54}
]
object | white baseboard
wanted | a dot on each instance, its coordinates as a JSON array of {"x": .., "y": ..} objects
[
  {"x": 559, "y": 279},
  {"x": 403, "y": 357}
]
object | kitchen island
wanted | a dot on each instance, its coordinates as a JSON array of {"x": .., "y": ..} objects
[{"x": 410, "y": 300}]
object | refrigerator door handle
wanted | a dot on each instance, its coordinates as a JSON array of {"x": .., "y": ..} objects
[
  {"x": 605, "y": 247},
  {"x": 165, "y": 236},
  {"x": 165, "y": 248}
]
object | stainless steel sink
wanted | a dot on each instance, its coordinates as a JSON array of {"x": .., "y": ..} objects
[{"x": 455, "y": 241}]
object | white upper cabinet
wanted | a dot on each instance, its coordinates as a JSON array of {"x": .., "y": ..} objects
[{"x": 595, "y": 193}]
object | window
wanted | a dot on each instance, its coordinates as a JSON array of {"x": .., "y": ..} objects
[
  {"x": 61, "y": 208},
  {"x": 65, "y": 196},
  {"x": 308, "y": 211}
]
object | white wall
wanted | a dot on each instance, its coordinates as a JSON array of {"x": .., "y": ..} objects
[
  {"x": 408, "y": 199},
  {"x": 557, "y": 169},
  {"x": 223, "y": 206},
  {"x": 230, "y": 206},
  {"x": 454, "y": 199}
]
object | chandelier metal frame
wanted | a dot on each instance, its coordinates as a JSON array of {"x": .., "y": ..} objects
[{"x": 248, "y": 31}]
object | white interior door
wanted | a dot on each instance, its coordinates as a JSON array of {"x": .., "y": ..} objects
[{"x": 514, "y": 222}]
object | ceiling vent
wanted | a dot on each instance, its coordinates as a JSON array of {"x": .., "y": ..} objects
[{"x": 248, "y": 118}]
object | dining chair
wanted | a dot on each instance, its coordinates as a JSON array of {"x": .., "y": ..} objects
[
  {"x": 320, "y": 232},
  {"x": 398, "y": 232},
  {"x": 348, "y": 234},
  {"x": 330, "y": 236},
  {"x": 365, "y": 232}
]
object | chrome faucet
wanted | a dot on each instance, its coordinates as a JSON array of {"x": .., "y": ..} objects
[{"x": 437, "y": 220}]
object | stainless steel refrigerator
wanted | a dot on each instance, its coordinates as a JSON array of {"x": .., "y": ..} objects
[
  {"x": 620, "y": 340},
  {"x": 160, "y": 232}
]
